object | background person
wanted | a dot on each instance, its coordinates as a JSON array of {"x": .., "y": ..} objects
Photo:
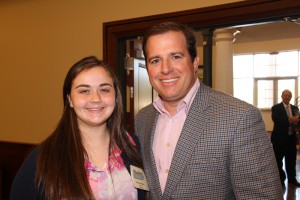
[
  {"x": 198, "y": 143},
  {"x": 284, "y": 138},
  {"x": 88, "y": 154}
]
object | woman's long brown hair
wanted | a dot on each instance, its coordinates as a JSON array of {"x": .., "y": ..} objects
[{"x": 60, "y": 165}]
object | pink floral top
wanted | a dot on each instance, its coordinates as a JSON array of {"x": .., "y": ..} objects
[{"x": 113, "y": 182}]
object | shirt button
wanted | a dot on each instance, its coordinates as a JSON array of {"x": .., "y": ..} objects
[
  {"x": 167, "y": 170},
  {"x": 168, "y": 145}
]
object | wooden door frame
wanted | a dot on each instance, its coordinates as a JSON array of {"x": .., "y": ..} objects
[
  {"x": 232, "y": 14},
  {"x": 246, "y": 12}
]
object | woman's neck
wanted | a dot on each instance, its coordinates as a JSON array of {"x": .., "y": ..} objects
[{"x": 96, "y": 143}]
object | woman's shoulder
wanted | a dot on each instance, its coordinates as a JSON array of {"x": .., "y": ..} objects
[
  {"x": 23, "y": 186},
  {"x": 30, "y": 160}
]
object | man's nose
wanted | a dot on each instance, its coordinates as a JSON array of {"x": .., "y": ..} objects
[{"x": 166, "y": 66}]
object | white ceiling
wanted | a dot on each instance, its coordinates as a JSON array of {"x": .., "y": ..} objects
[
  {"x": 264, "y": 31},
  {"x": 269, "y": 31}
]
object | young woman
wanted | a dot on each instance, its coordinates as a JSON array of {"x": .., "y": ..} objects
[{"x": 88, "y": 155}]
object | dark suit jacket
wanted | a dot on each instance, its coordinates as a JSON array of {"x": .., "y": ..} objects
[
  {"x": 281, "y": 123},
  {"x": 223, "y": 152}
]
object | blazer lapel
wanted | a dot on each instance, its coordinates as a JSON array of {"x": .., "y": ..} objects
[
  {"x": 149, "y": 161},
  {"x": 283, "y": 111},
  {"x": 188, "y": 139}
]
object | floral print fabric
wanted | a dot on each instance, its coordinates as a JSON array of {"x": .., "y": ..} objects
[{"x": 113, "y": 182}]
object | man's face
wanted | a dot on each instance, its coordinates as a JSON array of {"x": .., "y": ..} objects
[
  {"x": 171, "y": 71},
  {"x": 286, "y": 97}
]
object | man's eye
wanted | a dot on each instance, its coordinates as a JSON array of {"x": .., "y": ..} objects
[
  {"x": 154, "y": 61},
  {"x": 176, "y": 57}
]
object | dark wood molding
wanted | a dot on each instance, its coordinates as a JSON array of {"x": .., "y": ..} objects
[{"x": 232, "y": 14}]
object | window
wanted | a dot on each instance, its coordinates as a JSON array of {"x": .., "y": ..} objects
[
  {"x": 259, "y": 79},
  {"x": 269, "y": 90}
]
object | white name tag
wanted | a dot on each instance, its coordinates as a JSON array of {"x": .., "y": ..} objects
[{"x": 138, "y": 178}]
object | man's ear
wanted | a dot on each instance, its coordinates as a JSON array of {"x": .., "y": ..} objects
[
  {"x": 196, "y": 64},
  {"x": 70, "y": 101}
]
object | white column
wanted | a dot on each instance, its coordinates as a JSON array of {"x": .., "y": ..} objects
[{"x": 223, "y": 73}]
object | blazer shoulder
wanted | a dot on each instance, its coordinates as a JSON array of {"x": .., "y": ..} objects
[
  {"x": 217, "y": 98},
  {"x": 294, "y": 107},
  {"x": 276, "y": 106}
]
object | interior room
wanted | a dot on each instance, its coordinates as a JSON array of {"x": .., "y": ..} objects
[{"x": 39, "y": 41}]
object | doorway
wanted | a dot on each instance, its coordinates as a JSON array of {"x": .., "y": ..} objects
[
  {"x": 226, "y": 15},
  {"x": 139, "y": 92}
]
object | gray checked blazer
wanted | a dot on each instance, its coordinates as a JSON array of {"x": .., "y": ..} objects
[{"x": 223, "y": 152}]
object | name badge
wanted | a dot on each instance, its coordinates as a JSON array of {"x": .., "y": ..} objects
[{"x": 138, "y": 178}]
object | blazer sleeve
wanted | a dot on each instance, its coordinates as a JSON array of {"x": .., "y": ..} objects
[{"x": 254, "y": 172}]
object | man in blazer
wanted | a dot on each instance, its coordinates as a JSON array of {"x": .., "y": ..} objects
[
  {"x": 198, "y": 143},
  {"x": 284, "y": 138}
]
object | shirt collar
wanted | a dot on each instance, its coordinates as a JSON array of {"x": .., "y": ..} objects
[
  {"x": 286, "y": 105},
  {"x": 185, "y": 104}
]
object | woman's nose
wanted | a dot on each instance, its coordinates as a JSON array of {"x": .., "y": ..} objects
[{"x": 96, "y": 97}]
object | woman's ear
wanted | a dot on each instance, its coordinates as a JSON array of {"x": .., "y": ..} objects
[{"x": 70, "y": 101}]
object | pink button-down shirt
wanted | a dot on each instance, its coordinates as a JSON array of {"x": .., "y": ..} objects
[{"x": 167, "y": 132}]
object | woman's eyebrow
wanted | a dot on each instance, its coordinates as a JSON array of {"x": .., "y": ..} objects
[{"x": 86, "y": 85}]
